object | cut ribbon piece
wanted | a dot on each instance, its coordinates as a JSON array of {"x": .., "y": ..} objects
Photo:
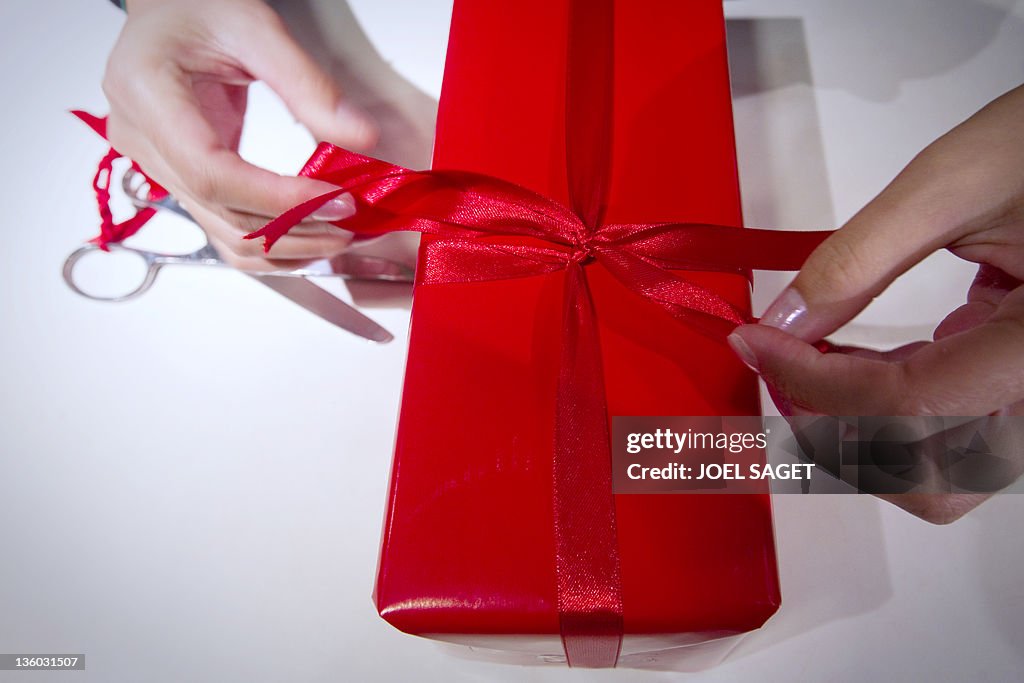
[{"x": 110, "y": 231}]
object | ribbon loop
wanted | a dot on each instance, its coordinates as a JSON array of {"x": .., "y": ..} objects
[{"x": 112, "y": 232}]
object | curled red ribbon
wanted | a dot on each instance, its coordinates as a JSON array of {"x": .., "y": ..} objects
[{"x": 110, "y": 231}]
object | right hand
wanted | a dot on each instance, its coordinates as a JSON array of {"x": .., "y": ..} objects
[
  {"x": 176, "y": 81},
  {"x": 964, "y": 193}
]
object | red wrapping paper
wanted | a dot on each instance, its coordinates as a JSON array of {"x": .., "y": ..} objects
[{"x": 468, "y": 544}]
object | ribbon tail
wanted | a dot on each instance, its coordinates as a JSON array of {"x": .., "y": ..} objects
[
  {"x": 701, "y": 308},
  {"x": 586, "y": 545},
  {"x": 97, "y": 123},
  {"x": 724, "y": 248},
  {"x": 279, "y": 227}
]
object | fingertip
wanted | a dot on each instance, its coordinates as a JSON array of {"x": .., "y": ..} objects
[
  {"x": 775, "y": 352},
  {"x": 743, "y": 350}
]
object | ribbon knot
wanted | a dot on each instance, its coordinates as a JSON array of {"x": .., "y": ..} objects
[{"x": 584, "y": 252}]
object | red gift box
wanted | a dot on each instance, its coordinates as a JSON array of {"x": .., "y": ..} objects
[{"x": 469, "y": 548}]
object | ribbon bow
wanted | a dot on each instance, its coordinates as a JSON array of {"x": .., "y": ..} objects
[{"x": 484, "y": 228}]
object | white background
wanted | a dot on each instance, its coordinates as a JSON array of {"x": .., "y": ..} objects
[{"x": 191, "y": 485}]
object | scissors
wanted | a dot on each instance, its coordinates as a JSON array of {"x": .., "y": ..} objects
[{"x": 292, "y": 284}]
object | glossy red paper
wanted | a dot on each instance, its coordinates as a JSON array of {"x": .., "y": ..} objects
[{"x": 468, "y": 543}]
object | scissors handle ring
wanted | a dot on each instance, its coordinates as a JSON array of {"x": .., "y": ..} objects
[{"x": 74, "y": 257}]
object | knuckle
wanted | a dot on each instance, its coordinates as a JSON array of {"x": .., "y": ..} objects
[
  {"x": 942, "y": 509},
  {"x": 273, "y": 203},
  {"x": 261, "y": 19},
  {"x": 118, "y": 138},
  {"x": 936, "y": 508},
  {"x": 110, "y": 85},
  {"x": 912, "y": 395},
  {"x": 840, "y": 265},
  {"x": 202, "y": 183},
  {"x": 261, "y": 14},
  {"x": 315, "y": 82},
  {"x": 115, "y": 77},
  {"x": 121, "y": 86}
]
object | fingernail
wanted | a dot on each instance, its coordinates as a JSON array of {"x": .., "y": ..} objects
[
  {"x": 359, "y": 127},
  {"x": 743, "y": 351},
  {"x": 788, "y": 312},
  {"x": 336, "y": 209}
]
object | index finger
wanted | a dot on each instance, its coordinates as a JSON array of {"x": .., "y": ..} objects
[{"x": 212, "y": 172}]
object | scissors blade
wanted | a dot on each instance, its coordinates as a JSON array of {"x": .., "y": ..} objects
[{"x": 326, "y": 305}]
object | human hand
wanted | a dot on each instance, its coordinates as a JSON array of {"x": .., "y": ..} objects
[
  {"x": 965, "y": 193},
  {"x": 177, "y": 81}
]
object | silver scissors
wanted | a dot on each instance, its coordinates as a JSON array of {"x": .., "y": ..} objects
[{"x": 292, "y": 284}]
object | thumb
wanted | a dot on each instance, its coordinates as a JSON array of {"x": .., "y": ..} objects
[
  {"x": 826, "y": 383},
  {"x": 273, "y": 56},
  {"x": 977, "y": 371}
]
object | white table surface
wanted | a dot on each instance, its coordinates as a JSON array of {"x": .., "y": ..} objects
[{"x": 192, "y": 485}]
